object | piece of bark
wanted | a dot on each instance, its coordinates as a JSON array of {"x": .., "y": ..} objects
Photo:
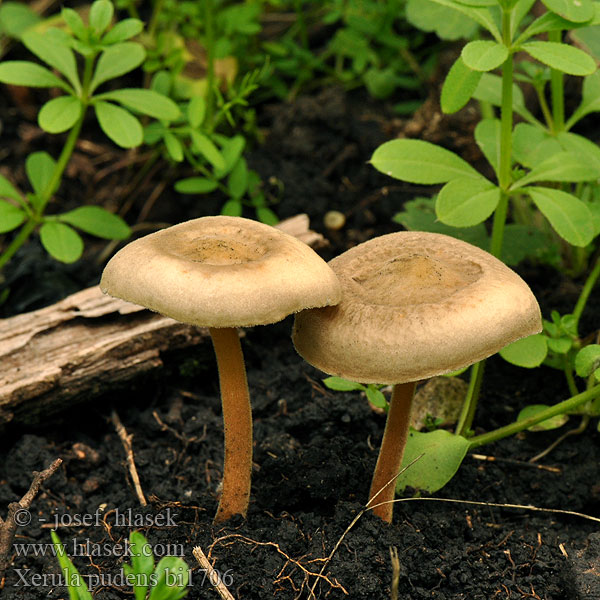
[{"x": 88, "y": 344}]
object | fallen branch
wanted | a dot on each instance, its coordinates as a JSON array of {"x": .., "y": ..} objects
[
  {"x": 18, "y": 514},
  {"x": 88, "y": 344}
]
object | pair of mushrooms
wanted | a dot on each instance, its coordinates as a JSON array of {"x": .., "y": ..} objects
[{"x": 396, "y": 309}]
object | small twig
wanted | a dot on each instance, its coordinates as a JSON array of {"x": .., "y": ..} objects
[
  {"x": 126, "y": 440},
  {"x": 518, "y": 463},
  {"x": 577, "y": 431},
  {"x": 395, "y": 572},
  {"x": 213, "y": 575},
  {"x": 9, "y": 526}
]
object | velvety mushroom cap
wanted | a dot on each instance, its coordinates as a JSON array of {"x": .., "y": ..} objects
[
  {"x": 221, "y": 272},
  {"x": 415, "y": 305}
]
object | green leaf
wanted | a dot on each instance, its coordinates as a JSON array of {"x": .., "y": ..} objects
[
  {"x": 55, "y": 54},
  {"x": 231, "y": 150},
  {"x": 60, "y": 114},
  {"x": 142, "y": 563},
  {"x": 532, "y": 145},
  {"x": 22, "y": 72},
  {"x": 465, "y": 202},
  {"x": 482, "y": 16},
  {"x": 196, "y": 111},
  {"x": 560, "y": 345},
  {"x": 534, "y": 409},
  {"x": 147, "y": 102},
  {"x": 77, "y": 589},
  {"x": 119, "y": 125},
  {"x": 484, "y": 55},
  {"x": 101, "y": 14},
  {"x": 123, "y": 30},
  {"x": 266, "y": 215},
  {"x": 590, "y": 99},
  {"x": 204, "y": 146},
  {"x": 489, "y": 90},
  {"x": 61, "y": 241},
  {"x": 16, "y": 18},
  {"x": 172, "y": 576},
  {"x": 376, "y": 397},
  {"x": 562, "y": 166},
  {"x": 97, "y": 221},
  {"x": 418, "y": 161},
  {"x": 195, "y": 185},
  {"x": 547, "y": 22},
  {"x": 528, "y": 352},
  {"x": 174, "y": 146},
  {"x": 587, "y": 360},
  {"x": 419, "y": 215},
  {"x": 577, "y": 11},
  {"x": 237, "y": 183},
  {"x": 459, "y": 85},
  {"x": 116, "y": 61},
  {"x": 232, "y": 208},
  {"x": 487, "y": 136},
  {"x": 11, "y": 216},
  {"x": 443, "y": 453},
  {"x": 74, "y": 22},
  {"x": 523, "y": 241},
  {"x": 561, "y": 57},
  {"x": 447, "y": 23},
  {"x": 339, "y": 384},
  {"x": 585, "y": 150},
  {"x": 568, "y": 215},
  {"x": 39, "y": 167},
  {"x": 8, "y": 190}
]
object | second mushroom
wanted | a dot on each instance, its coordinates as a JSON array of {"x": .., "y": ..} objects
[
  {"x": 223, "y": 273},
  {"x": 414, "y": 305}
]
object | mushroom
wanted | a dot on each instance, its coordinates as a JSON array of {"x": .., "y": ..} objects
[
  {"x": 414, "y": 305},
  {"x": 222, "y": 273}
]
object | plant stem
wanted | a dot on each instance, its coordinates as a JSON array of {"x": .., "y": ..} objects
[
  {"x": 588, "y": 286},
  {"x": 506, "y": 123},
  {"x": 501, "y": 212},
  {"x": 557, "y": 88},
  {"x": 237, "y": 422},
  {"x": 558, "y": 409},
  {"x": 470, "y": 404},
  {"x": 18, "y": 241},
  {"x": 209, "y": 32},
  {"x": 383, "y": 486}
]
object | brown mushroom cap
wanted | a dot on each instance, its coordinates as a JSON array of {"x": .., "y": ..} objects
[
  {"x": 415, "y": 305},
  {"x": 221, "y": 272}
]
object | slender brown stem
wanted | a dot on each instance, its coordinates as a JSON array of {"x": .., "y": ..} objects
[
  {"x": 392, "y": 450},
  {"x": 237, "y": 422}
]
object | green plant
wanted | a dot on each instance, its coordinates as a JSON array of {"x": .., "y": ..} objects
[
  {"x": 107, "y": 54},
  {"x": 372, "y": 46},
  {"x": 372, "y": 391},
  {"x": 73, "y": 580},
  {"x": 168, "y": 580},
  {"x": 537, "y": 167},
  {"x": 194, "y": 53}
]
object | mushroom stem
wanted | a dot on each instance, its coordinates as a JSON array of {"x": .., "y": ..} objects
[
  {"x": 392, "y": 449},
  {"x": 237, "y": 422}
]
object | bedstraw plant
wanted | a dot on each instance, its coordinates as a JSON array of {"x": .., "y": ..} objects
[{"x": 544, "y": 181}]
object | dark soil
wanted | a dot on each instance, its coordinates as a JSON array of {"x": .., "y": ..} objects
[{"x": 314, "y": 449}]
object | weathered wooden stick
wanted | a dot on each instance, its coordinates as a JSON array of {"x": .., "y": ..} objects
[{"x": 87, "y": 344}]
